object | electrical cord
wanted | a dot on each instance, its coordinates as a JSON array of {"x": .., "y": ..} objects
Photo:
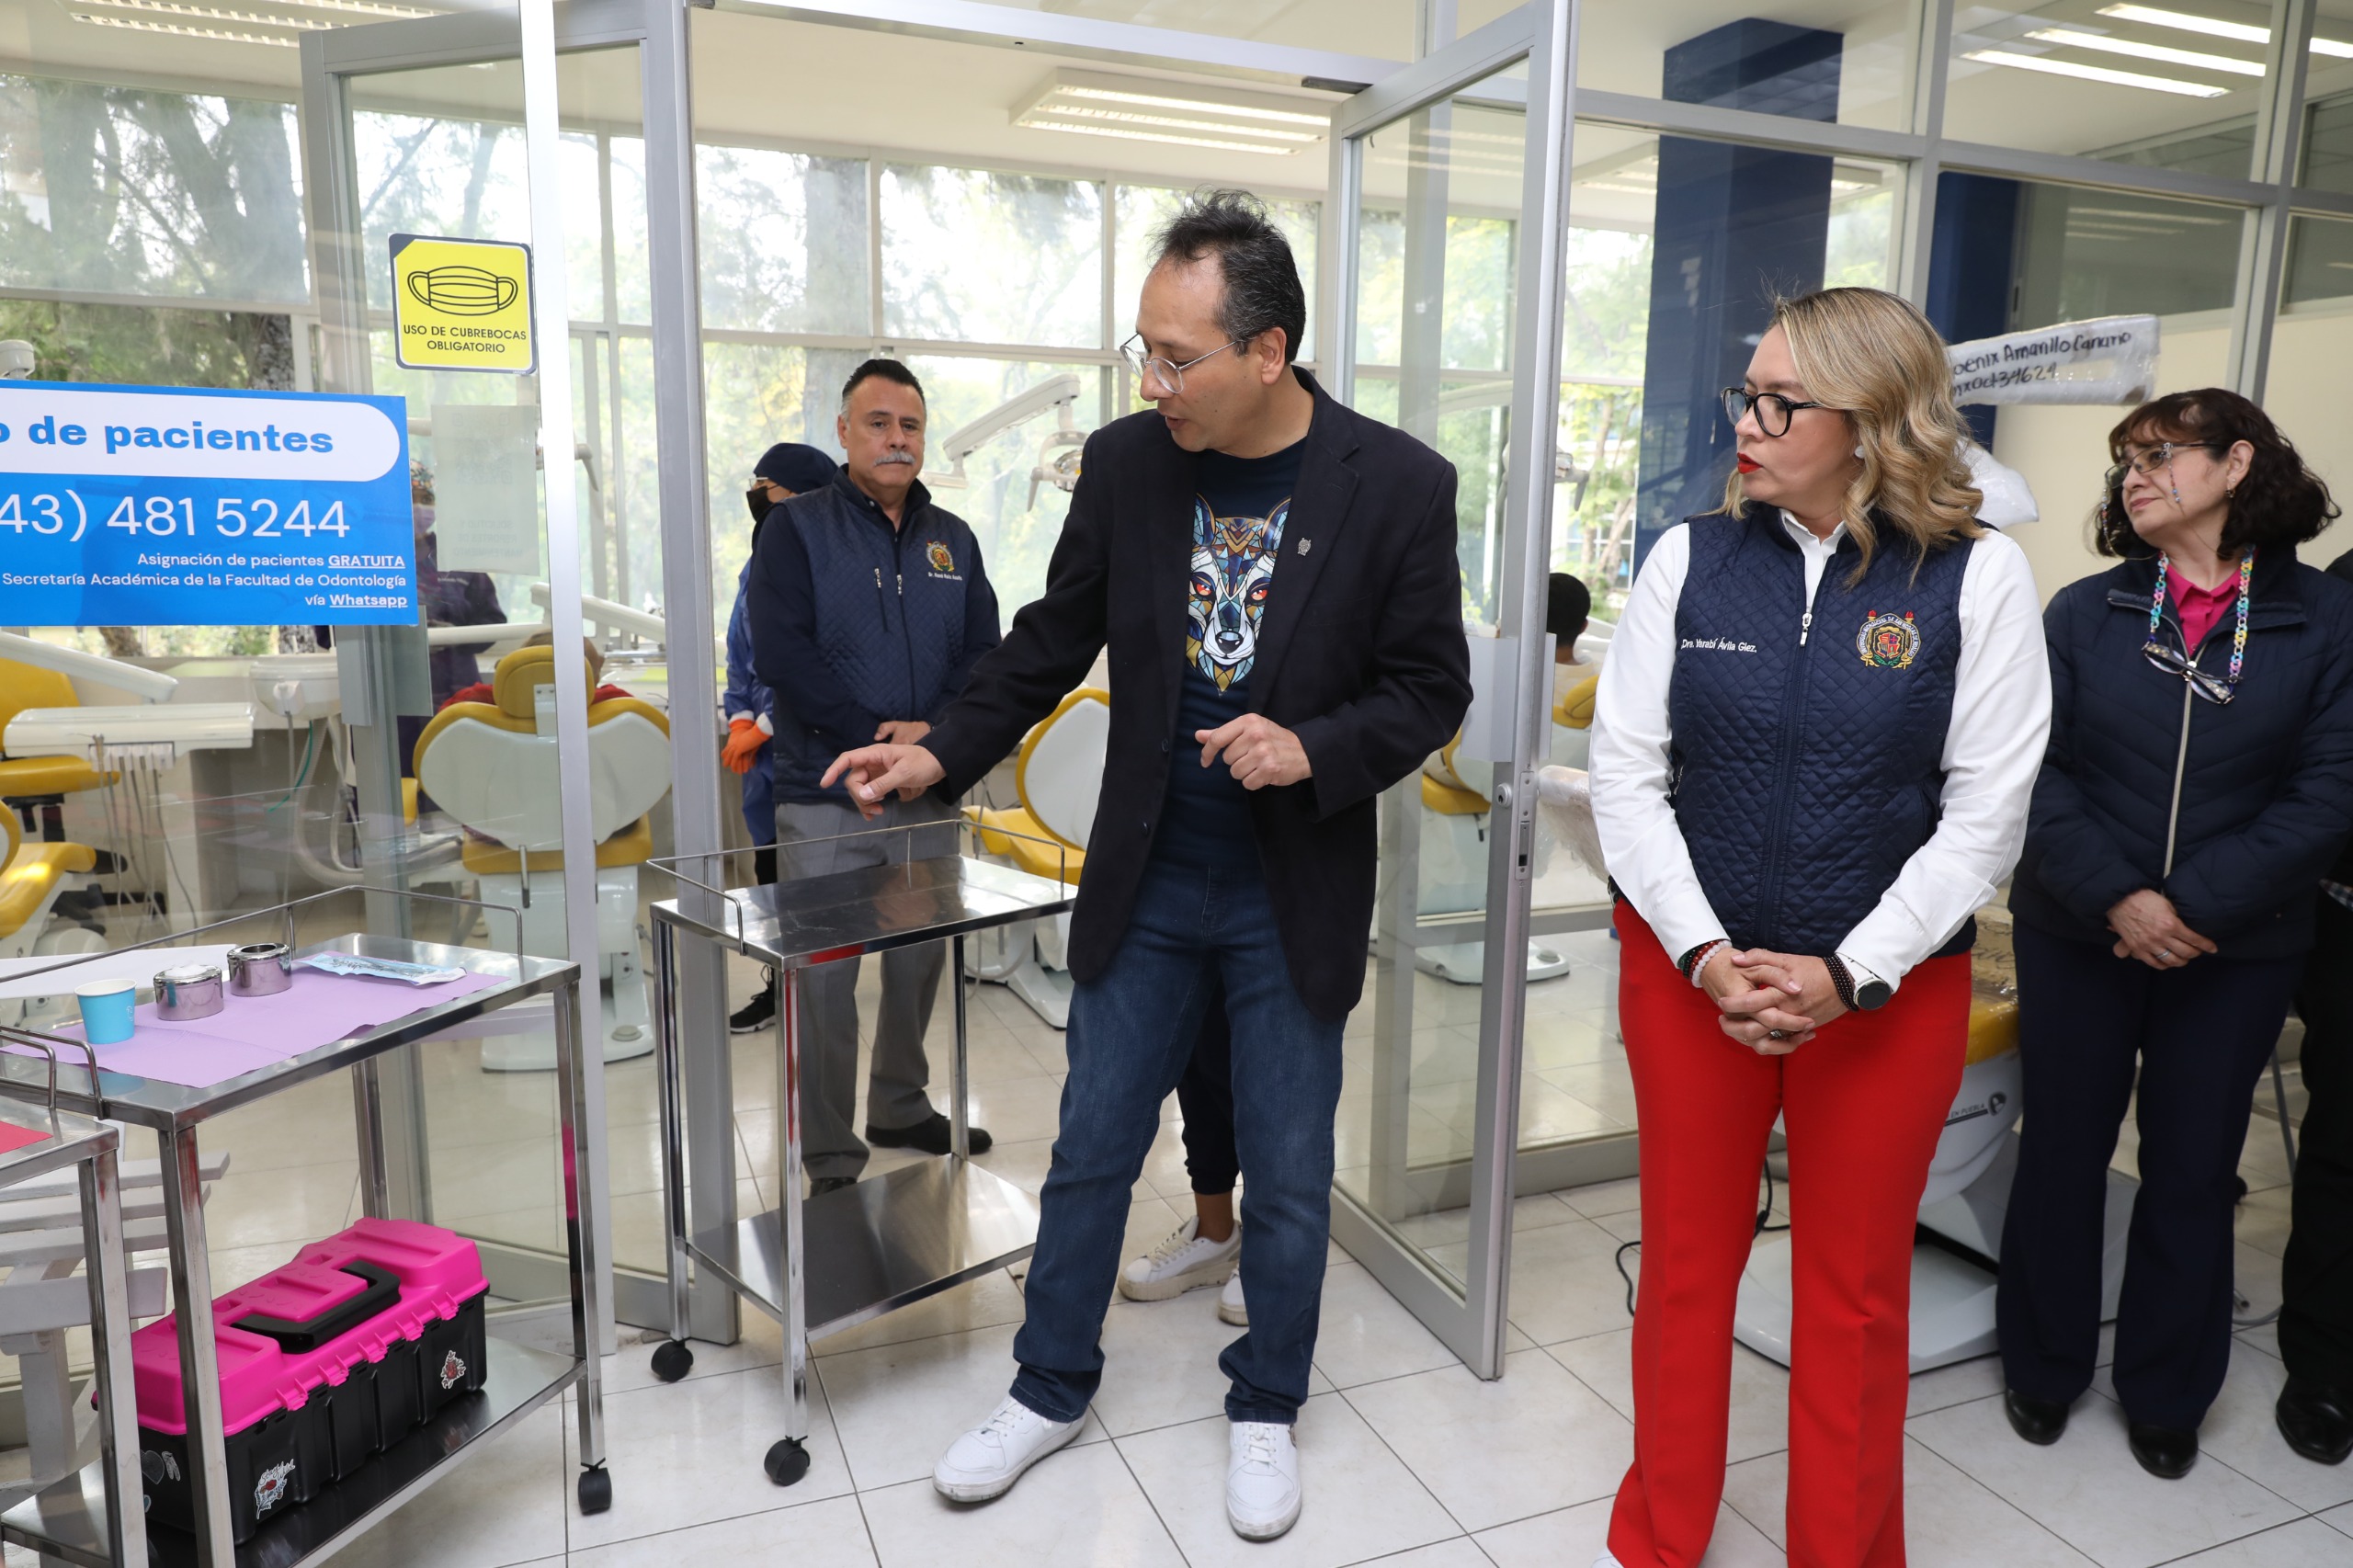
[{"x": 1764, "y": 1226}]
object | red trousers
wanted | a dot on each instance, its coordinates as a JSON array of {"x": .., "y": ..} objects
[{"x": 1863, "y": 1105}]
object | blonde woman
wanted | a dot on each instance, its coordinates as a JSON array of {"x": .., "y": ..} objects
[{"x": 1817, "y": 734}]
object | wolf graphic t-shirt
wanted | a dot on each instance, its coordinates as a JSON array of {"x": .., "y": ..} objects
[{"x": 1238, "y": 517}]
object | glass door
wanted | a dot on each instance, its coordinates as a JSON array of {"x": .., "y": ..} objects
[{"x": 1449, "y": 193}]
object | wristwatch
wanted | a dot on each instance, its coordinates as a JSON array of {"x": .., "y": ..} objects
[{"x": 1867, "y": 996}]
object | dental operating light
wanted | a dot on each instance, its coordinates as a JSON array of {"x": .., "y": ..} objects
[{"x": 1057, "y": 461}]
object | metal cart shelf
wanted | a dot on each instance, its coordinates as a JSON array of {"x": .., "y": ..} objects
[
  {"x": 820, "y": 1265},
  {"x": 70, "y": 1519}
]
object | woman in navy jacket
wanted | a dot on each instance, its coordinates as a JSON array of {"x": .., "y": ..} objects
[{"x": 2199, "y": 781}]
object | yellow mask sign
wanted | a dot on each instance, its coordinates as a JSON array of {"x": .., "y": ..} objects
[{"x": 461, "y": 304}]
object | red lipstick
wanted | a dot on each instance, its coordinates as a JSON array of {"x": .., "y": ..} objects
[{"x": 1748, "y": 464}]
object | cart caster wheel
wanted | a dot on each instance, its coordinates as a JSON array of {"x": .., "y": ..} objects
[
  {"x": 786, "y": 1462},
  {"x": 595, "y": 1490},
  {"x": 673, "y": 1360}
]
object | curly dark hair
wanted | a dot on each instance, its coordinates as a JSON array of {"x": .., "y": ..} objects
[{"x": 2280, "y": 501}]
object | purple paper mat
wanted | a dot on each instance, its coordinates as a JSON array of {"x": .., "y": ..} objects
[{"x": 317, "y": 1010}]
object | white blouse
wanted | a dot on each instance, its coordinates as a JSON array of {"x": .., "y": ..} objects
[{"x": 2001, "y": 719}]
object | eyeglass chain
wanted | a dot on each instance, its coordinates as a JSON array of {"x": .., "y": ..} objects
[{"x": 2238, "y": 639}]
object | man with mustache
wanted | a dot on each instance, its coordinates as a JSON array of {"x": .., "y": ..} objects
[{"x": 868, "y": 609}]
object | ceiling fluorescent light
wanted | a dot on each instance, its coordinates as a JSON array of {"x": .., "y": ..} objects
[
  {"x": 212, "y": 13},
  {"x": 221, "y": 34},
  {"x": 2213, "y": 27},
  {"x": 2161, "y": 54},
  {"x": 2095, "y": 73},
  {"x": 1142, "y": 108}
]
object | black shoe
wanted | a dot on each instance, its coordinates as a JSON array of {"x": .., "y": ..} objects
[
  {"x": 2163, "y": 1452},
  {"x": 757, "y": 1014},
  {"x": 820, "y": 1185},
  {"x": 2039, "y": 1421},
  {"x": 929, "y": 1136},
  {"x": 2316, "y": 1421}
]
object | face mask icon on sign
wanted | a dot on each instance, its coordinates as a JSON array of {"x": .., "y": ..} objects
[{"x": 462, "y": 291}]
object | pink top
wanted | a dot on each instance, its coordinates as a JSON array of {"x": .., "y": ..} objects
[{"x": 2198, "y": 607}]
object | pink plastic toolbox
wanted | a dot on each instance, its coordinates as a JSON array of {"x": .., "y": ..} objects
[{"x": 332, "y": 1357}]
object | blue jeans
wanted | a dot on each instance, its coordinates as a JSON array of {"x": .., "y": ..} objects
[{"x": 1132, "y": 1031}]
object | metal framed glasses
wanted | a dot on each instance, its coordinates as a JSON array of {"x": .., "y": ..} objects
[
  {"x": 1773, "y": 411},
  {"x": 2212, "y": 687},
  {"x": 2152, "y": 459},
  {"x": 1166, "y": 372}
]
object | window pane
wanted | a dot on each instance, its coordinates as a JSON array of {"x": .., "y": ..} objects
[
  {"x": 974, "y": 257},
  {"x": 784, "y": 238},
  {"x": 1857, "y": 70},
  {"x": 2158, "y": 85},
  {"x": 126, "y": 190},
  {"x": 2311, "y": 345},
  {"x": 2328, "y": 143},
  {"x": 631, "y": 283},
  {"x": 1143, "y": 208},
  {"x": 753, "y": 396},
  {"x": 425, "y": 175},
  {"x": 1015, "y": 523}
]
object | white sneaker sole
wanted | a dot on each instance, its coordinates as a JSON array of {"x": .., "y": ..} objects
[
  {"x": 1264, "y": 1531},
  {"x": 985, "y": 1490},
  {"x": 1238, "y": 1316},
  {"x": 1177, "y": 1284}
]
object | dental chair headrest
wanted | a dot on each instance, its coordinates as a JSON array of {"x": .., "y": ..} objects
[{"x": 519, "y": 672}]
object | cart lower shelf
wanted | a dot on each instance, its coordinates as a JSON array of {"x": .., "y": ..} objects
[{"x": 69, "y": 1518}]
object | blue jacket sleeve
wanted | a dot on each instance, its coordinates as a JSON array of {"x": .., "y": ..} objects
[
  {"x": 746, "y": 693},
  {"x": 2075, "y": 857},
  {"x": 780, "y": 611},
  {"x": 981, "y": 634}
]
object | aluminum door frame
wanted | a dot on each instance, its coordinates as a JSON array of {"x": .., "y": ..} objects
[
  {"x": 331, "y": 60},
  {"x": 1471, "y": 1321}
]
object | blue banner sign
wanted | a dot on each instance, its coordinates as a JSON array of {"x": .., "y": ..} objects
[{"x": 183, "y": 506}]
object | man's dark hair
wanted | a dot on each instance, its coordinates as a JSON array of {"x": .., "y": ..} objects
[
  {"x": 2280, "y": 503},
  {"x": 890, "y": 370},
  {"x": 1568, "y": 605},
  {"x": 1262, "y": 286}
]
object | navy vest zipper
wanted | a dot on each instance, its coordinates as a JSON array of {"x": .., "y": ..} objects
[{"x": 1785, "y": 767}]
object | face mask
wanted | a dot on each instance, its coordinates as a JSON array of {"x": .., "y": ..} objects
[{"x": 757, "y": 499}]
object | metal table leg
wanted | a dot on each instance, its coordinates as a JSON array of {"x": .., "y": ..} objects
[
  {"x": 199, "y": 1361},
  {"x": 788, "y": 1460},
  {"x": 960, "y": 1134},
  {"x": 672, "y": 1360},
  {"x": 110, "y": 1359},
  {"x": 580, "y": 1201}
]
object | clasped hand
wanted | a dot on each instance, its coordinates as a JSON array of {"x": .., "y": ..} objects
[
  {"x": 2149, "y": 929},
  {"x": 1771, "y": 1003}
]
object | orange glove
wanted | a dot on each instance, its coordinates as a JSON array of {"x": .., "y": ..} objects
[{"x": 743, "y": 743}]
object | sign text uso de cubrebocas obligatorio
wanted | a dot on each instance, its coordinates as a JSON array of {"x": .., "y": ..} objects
[{"x": 127, "y": 506}]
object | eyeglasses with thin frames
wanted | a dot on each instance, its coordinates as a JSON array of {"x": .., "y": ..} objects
[
  {"x": 1166, "y": 372},
  {"x": 2151, "y": 459},
  {"x": 1773, "y": 411}
]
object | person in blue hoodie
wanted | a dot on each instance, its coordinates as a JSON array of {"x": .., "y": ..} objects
[
  {"x": 868, "y": 608},
  {"x": 785, "y": 471}
]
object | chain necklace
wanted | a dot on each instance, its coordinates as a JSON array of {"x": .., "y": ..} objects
[{"x": 2238, "y": 638}]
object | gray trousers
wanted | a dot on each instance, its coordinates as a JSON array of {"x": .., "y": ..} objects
[{"x": 898, "y": 1082}]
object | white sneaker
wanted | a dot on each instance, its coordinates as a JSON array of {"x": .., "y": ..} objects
[
  {"x": 1230, "y": 1304},
  {"x": 1262, "y": 1493},
  {"x": 985, "y": 1461},
  {"x": 1182, "y": 1261},
  {"x": 1606, "y": 1561}
]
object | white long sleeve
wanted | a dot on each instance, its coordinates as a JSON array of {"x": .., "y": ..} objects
[{"x": 1994, "y": 745}]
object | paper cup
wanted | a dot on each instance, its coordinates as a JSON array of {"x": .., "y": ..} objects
[{"x": 105, "y": 1010}]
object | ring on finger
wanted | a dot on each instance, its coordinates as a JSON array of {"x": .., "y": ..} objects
[{"x": 1776, "y": 1034}]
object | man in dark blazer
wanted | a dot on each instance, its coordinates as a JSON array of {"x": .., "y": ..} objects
[{"x": 1274, "y": 576}]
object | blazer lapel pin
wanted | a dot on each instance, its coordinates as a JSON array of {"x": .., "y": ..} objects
[{"x": 1303, "y": 545}]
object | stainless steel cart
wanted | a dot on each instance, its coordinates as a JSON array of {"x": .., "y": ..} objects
[
  {"x": 72, "y": 1519},
  {"x": 90, "y": 1148},
  {"x": 822, "y": 1264}
]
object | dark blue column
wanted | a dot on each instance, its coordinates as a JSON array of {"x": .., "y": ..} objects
[
  {"x": 1733, "y": 227},
  {"x": 1971, "y": 267}
]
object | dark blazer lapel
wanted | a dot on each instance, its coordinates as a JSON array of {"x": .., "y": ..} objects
[
  {"x": 1327, "y": 483},
  {"x": 1167, "y": 504}
]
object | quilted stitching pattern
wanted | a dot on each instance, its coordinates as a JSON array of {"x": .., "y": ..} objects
[{"x": 1805, "y": 775}]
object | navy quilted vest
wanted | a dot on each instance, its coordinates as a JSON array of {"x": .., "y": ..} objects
[
  {"x": 1807, "y": 761},
  {"x": 889, "y": 610}
]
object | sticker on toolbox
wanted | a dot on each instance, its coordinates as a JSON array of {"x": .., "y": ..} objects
[{"x": 271, "y": 1489}]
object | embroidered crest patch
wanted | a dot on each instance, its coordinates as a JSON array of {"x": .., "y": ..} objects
[
  {"x": 940, "y": 560},
  {"x": 1888, "y": 641}
]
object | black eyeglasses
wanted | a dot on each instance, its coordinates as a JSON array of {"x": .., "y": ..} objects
[
  {"x": 2173, "y": 662},
  {"x": 2153, "y": 458},
  {"x": 1773, "y": 411}
]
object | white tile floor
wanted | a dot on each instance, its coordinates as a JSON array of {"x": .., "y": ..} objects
[{"x": 1409, "y": 1459}]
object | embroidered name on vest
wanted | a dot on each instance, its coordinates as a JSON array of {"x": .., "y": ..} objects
[{"x": 1720, "y": 645}]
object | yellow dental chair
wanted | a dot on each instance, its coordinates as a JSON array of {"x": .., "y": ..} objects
[
  {"x": 39, "y": 783},
  {"x": 1058, "y": 778},
  {"x": 32, "y": 876},
  {"x": 492, "y": 767}
]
